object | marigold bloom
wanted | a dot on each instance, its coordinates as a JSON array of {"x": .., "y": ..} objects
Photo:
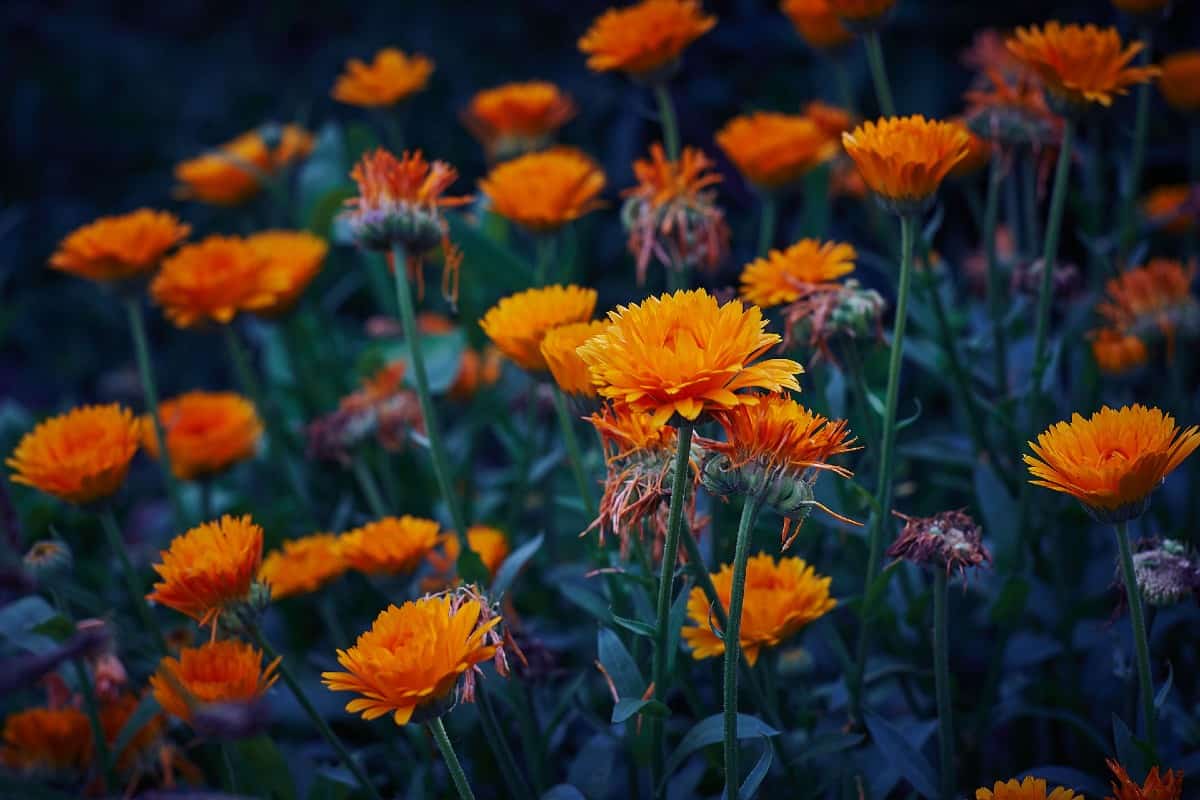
[
  {"x": 1112, "y": 461},
  {"x": 683, "y": 353},
  {"x": 782, "y": 597},
  {"x": 773, "y": 150},
  {"x": 861, "y": 14},
  {"x": 833, "y": 120},
  {"x": 207, "y": 432},
  {"x": 382, "y": 408},
  {"x": 559, "y": 352},
  {"x": 1168, "y": 786},
  {"x": 1151, "y": 300},
  {"x": 119, "y": 247},
  {"x": 389, "y": 545},
  {"x": 209, "y": 568},
  {"x": 816, "y": 23},
  {"x": 490, "y": 544},
  {"x": 519, "y": 322},
  {"x": 1180, "y": 80},
  {"x": 1117, "y": 352},
  {"x": 1012, "y": 111},
  {"x": 213, "y": 280},
  {"x": 292, "y": 259},
  {"x": 235, "y": 171},
  {"x": 544, "y": 191},
  {"x": 904, "y": 159},
  {"x": 1080, "y": 65},
  {"x": 1029, "y": 789},
  {"x": 1173, "y": 209},
  {"x": 302, "y": 565},
  {"x": 784, "y": 276},
  {"x": 392, "y": 77},
  {"x": 80, "y": 456},
  {"x": 413, "y": 656},
  {"x": 41, "y": 740},
  {"x": 517, "y": 118},
  {"x": 222, "y": 671},
  {"x": 646, "y": 39}
]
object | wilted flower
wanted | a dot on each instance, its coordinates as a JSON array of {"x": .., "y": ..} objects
[
  {"x": 389, "y": 545},
  {"x": 46, "y": 741},
  {"x": 292, "y": 259},
  {"x": 1180, "y": 80},
  {"x": 518, "y": 323},
  {"x": 784, "y": 276},
  {"x": 559, "y": 348},
  {"x": 1167, "y": 786},
  {"x": 517, "y": 118},
  {"x": 1029, "y": 789},
  {"x": 816, "y": 23},
  {"x": 490, "y": 544},
  {"x": 120, "y": 247},
  {"x": 543, "y": 191},
  {"x": 210, "y": 569},
  {"x": 207, "y": 432},
  {"x": 1166, "y": 571},
  {"x": 646, "y": 39},
  {"x": 773, "y": 150},
  {"x": 948, "y": 540},
  {"x": 392, "y": 77},
  {"x": 904, "y": 159},
  {"x": 1174, "y": 209},
  {"x": 1153, "y": 300},
  {"x": 1116, "y": 351},
  {"x": 1012, "y": 111},
  {"x": 223, "y": 671},
  {"x": 862, "y": 15},
  {"x": 214, "y": 280},
  {"x": 235, "y": 171},
  {"x": 382, "y": 408},
  {"x": 301, "y": 566},
  {"x": 832, "y": 312}
]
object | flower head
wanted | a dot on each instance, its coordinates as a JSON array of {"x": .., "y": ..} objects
[
  {"x": 1174, "y": 209},
  {"x": 817, "y": 23},
  {"x": 559, "y": 348},
  {"x": 904, "y": 159},
  {"x": 1112, "y": 461},
  {"x": 392, "y": 77},
  {"x": 80, "y": 456},
  {"x": 121, "y": 247},
  {"x": 862, "y": 15},
  {"x": 222, "y": 671},
  {"x": 210, "y": 569},
  {"x": 948, "y": 540},
  {"x": 48, "y": 558},
  {"x": 382, "y": 408},
  {"x": 45, "y": 741},
  {"x": 389, "y": 545},
  {"x": 1152, "y": 300},
  {"x": 235, "y": 171},
  {"x": 517, "y": 118},
  {"x": 519, "y": 322},
  {"x": 644, "y": 40},
  {"x": 213, "y": 280},
  {"x": 1166, "y": 571},
  {"x": 1168, "y": 786},
  {"x": 292, "y": 259},
  {"x": 1117, "y": 352},
  {"x": 546, "y": 190},
  {"x": 833, "y": 120},
  {"x": 683, "y": 353},
  {"x": 490, "y": 544},
  {"x": 1180, "y": 80},
  {"x": 773, "y": 150},
  {"x": 207, "y": 432},
  {"x": 832, "y": 312},
  {"x": 782, "y": 597},
  {"x": 979, "y": 153},
  {"x": 303, "y": 565},
  {"x": 1012, "y": 111},
  {"x": 784, "y": 276},
  {"x": 1029, "y": 789}
]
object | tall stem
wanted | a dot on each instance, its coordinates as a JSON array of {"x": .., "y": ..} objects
[
  {"x": 995, "y": 302},
  {"x": 769, "y": 215},
  {"x": 456, "y": 771},
  {"x": 1141, "y": 643},
  {"x": 666, "y": 118},
  {"x": 574, "y": 454},
  {"x": 941, "y": 677},
  {"x": 133, "y": 583},
  {"x": 370, "y": 487},
  {"x": 883, "y": 89},
  {"x": 103, "y": 756},
  {"x": 733, "y": 647},
  {"x": 1138, "y": 158}
]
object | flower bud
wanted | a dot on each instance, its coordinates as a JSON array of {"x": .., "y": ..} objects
[{"x": 48, "y": 559}]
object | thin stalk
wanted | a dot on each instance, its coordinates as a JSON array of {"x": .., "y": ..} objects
[
  {"x": 883, "y": 89},
  {"x": 230, "y": 772},
  {"x": 1137, "y": 161},
  {"x": 133, "y": 584},
  {"x": 456, "y": 771},
  {"x": 370, "y": 488},
  {"x": 1141, "y": 643},
  {"x": 574, "y": 454},
  {"x": 995, "y": 302},
  {"x": 941, "y": 678},
  {"x": 733, "y": 647},
  {"x": 103, "y": 755},
  {"x": 766, "y": 223},
  {"x": 1029, "y": 200},
  {"x": 666, "y": 118}
]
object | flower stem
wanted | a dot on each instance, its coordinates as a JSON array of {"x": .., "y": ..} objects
[
  {"x": 574, "y": 454},
  {"x": 103, "y": 756},
  {"x": 370, "y": 488},
  {"x": 666, "y": 117},
  {"x": 941, "y": 678},
  {"x": 230, "y": 772},
  {"x": 456, "y": 771},
  {"x": 766, "y": 224},
  {"x": 1138, "y": 158},
  {"x": 995, "y": 303},
  {"x": 883, "y": 89},
  {"x": 733, "y": 646},
  {"x": 137, "y": 593},
  {"x": 1141, "y": 643}
]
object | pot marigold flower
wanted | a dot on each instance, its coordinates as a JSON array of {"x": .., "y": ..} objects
[
  {"x": 785, "y": 276},
  {"x": 303, "y": 565},
  {"x": 1117, "y": 352},
  {"x": 904, "y": 159},
  {"x": 544, "y": 191},
  {"x": 1152, "y": 300},
  {"x": 1167, "y": 786},
  {"x": 382, "y": 408},
  {"x": 389, "y": 545},
  {"x": 120, "y": 247},
  {"x": 213, "y": 280},
  {"x": 774, "y": 150},
  {"x": 559, "y": 352},
  {"x": 210, "y": 569},
  {"x": 644, "y": 40},
  {"x": 1180, "y": 80},
  {"x": 683, "y": 353},
  {"x": 519, "y": 322},
  {"x": 1112, "y": 461},
  {"x": 782, "y": 597},
  {"x": 410, "y": 661},
  {"x": 292, "y": 260},
  {"x": 1011, "y": 112},
  {"x": 207, "y": 432},
  {"x": 489, "y": 543},
  {"x": 392, "y": 77},
  {"x": 1173, "y": 209},
  {"x": 222, "y": 671},
  {"x": 235, "y": 171},
  {"x": 1029, "y": 789},
  {"x": 861, "y": 15},
  {"x": 46, "y": 740},
  {"x": 816, "y": 23},
  {"x": 80, "y": 456},
  {"x": 948, "y": 540},
  {"x": 517, "y": 117}
]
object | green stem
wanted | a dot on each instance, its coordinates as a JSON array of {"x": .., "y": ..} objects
[
  {"x": 666, "y": 117},
  {"x": 733, "y": 647},
  {"x": 133, "y": 583},
  {"x": 1138, "y": 159},
  {"x": 103, "y": 755},
  {"x": 370, "y": 488},
  {"x": 941, "y": 677},
  {"x": 883, "y": 89},
  {"x": 456, "y": 771},
  {"x": 1141, "y": 643},
  {"x": 995, "y": 302},
  {"x": 766, "y": 223},
  {"x": 574, "y": 454},
  {"x": 1029, "y": 199},
  {"x": 230, "y": 772}
]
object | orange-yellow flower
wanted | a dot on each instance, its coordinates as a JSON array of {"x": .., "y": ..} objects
[
  {"x": 1112, "y": 461},
  {"x": 80, "y": 456},
  {"x": 1150, "y": 298},
  {"x": 209, "y": 568},
  {"x": 780, "y": 434},
  {"x": 1029, "y": 789},
  {"x": 817, "y": 23},
  {"x": 861, "y": 13},
  {"x": 302, "y": 565},
  {"x": 784, "y": 276},
  {"x": 235, "y": 171},
  {"x": 389, "y": 545},
  {"x": 207, "y": 432},
  {"x": 119, "y": 247},
  {"x": 392, "y": 77},
  {"x": 646, "y": 39},
  {"x": 400, "y": 200},
  {"x": 292, "y": 260},
  {"x": 904, "y": 159},
  {"x": 781, "y": 598},
  {"x": 517, "y": 117},
  {"x": 1080, "y": 65},
  {"x": 544, "y": 191},
  {"x": 222, "y": 671},
  {"x": 1175, "y": 209},
  {"x": 1117, "y": 352},
  {"x": 213, "y": 280},
  {"x": 41, "y": 740},
  {"x": 413, "y": 656},
  {"x": 772, "y": 150},
  {"x": 683, "y": 353},
  {"x": 568, "y": 369},
  {"x": 519, "y": 322},
  {"x": 490, "y": 544},
  {"x": 1167, "y": 786},
  {"x": 1180, "y": 80}
]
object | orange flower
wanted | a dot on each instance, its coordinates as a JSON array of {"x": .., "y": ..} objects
[
  {"x": 1029, "y": 789},
  {"x": 411, "y": 659},
  {"x": 207, "y": 432},
  {"x": 1080, "y": 64},
  {"x": 1180, "y": 80},
  {"x": 292, "y": 260},
  {"x": 46, "y": 740},
  {"x": 817, "y": 23},
  {"x": 302, "y": 565},
  {"x": 519, "y": 322},
  {"x": 782, "y": 597},
  {"x": 773, "y": 150},
  {"x": 114, "y": 714},
  {"x": 490, "y": 544},
  {"x": 558, "y": 351},
  {"x": 544, "y": 191},
  {"x": 644, "y": 40},
  {"x": 389, "y": 545},
  {"x": 476, "y": 370},
  {"x": 210, "y": 568},
  {"x": 834, "y": 121},
  {"x": 1174, "y": 209},
  {"x": 1012, "y": 113},
  {"x": 1112, "y": 461},
  {"x": 683, "y": 353},
  {"x": 517, "y": 117},
  {"x": 1157, "y": 787},
  {"x": 235, "y": 171},
  {"x": 1117, "y": 352},
  {"x": 214, "y": 280},
  {"x": 392, "y": 77},
  {"x": 1152, "y": 298},
  {"x": 904, "y": 159},
  {"x": 223, "y": 671},
  {"x": 780, "y": 434},
  {"x": 784, "y": 276},
  {"x": 122, "y": 247},
  {"x": 860, "y": 14},
  {"x": 80, "y": 456},
  {"x": 979, "y": 153}
]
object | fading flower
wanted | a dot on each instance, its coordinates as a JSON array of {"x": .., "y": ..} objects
[
  {"x": 947, "y": 540},
  {"x": 302, "y": 566},
  {"x": 517, "y": 118},
  {"x": 1166, "y": 571},
  {"x": 784, "y": 276},
  {"x": 1152, "y": 301},
  {"x": 1117, "y": 352},
  {"x": 392, "y": 77},
  {"x": 543, "y": 191},
  {"x": 518, "y": 323},
  {"x": 222, "y": 671},
  {"x": 1180, "y": 81},
  {"x": 834, "y": 312},
  {"x": 559, "y": 348},
  {"x": 292, "y": 260},
  {"x": 905, "y": 159},
  {"x": 234, "y": 172},
  {"x": 207, "y": 432},
  {"x": 46, "y": 741},
  {"x": 1029, "y": 789},
  {"x": 1173, "y": 209},
  {"x": 1166, "y": 786},
  {"x": 816, "y": 23},
  {"x": 773, "y": 150},
  {"x": 644, "y": 40},
  {"x": 1012, "y": 111},
  {"x": 382, "y": 409},
  {"x": 215, "y": 279},
  {"x": 120, "y": 247},
  {"x": 210, "y": 569},
  {"x": 389, "y": 545},
  {"x": 141, "y": 752}
]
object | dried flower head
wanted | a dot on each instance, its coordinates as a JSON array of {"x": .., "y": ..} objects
[
  {"x": 1117, "y": 352},
  {"x": 46, "y": 741},
  {"x": 489, "y": 543},
  {"x": 121, "y": 247},
  {"x": 1180, "y": 81},
  {"x": 1012, "y": 111},
  {"x": 816, "y": 23},
  {"x": 644, "y": 40},
  {"x": 831, "y": 313},
  {"x": 517, "y": 118},
  {"x": 1173, "y": 209},
  {"x": 302, "y": 566},
  {"x": 1166, "y": 571},
  {"x": 383, "y": 408},
  {"x": 1152, "y": 301},
  {"x": 237, "y": 170},
  {"x": 1029, "y": 789},
  {"x": 518, "y": 323},
  {"x": 389, "y": 545},
  {"x": 392, "y": 77},
  {"x": 773, "y": 150},
  {"x": 213, "y": 280},
  {"x": 210, "y": 569},
  {"x": 862, "y": 15},
  {"x": 292, "y": 259},
  {"x": 1166, "y": 786},
  {"x": 905, "y": 159},
  {"x": 543, "y": 191},
  {"x": 207, "y": 432},
  {"x": 559, "y": 348},
  {"x": 223, "y": 671},
  {"x": 784, "y": 276},
  {"x": 948, "y": 540}
]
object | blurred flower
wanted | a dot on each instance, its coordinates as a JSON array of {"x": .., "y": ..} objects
[
  {"x": 235, "y": 171},
  {"x": 47, "y": 559},
  {"x": 210, "y": 569},
  {"x": 860, "y": 15},
  {"x": 979, "y": 153},
  {"x": 683, "y": 353},
  {"x": 544, "y": 191},
  {"x": 292, "y": 259},
  {"x": 382, "y": 408},
  {"x": 1153, "y": 300},
  {"x": 904, "y": 159},
  {"x": 644, "y": 40},
  {"x": 1029, "y": 789},
  {"x": 1026, "y": 278},
  {"x": 392, "y": 77},
  {"x": 832, "y": 120},
  {"x": 1140, "y": 7},
  {"x": 517, "y": 118},
  {"x": 389, "y": 545},
  {"x": 1166, "y": 572},
  {"x": 119, "y": 247},
  {"x": 207, "y": 432},
  {"x": 1180, "y": 80},
  {"x": 1173, "y": 209},
  {"x": 782, "y": 597},
  {"x": 784, "y": 276},
  {"x": 46, "y": 741},
  {"x": 1012, "y": 111},
  {"x": 948, "y": 540},
  {"x": 222, "y": 671},
  {"x": 80, "y": 456},
  {"x": 816, "y": 23},
  {"x": 1117, "y": 352},
  {"x": 832, "y": 312},
  {"x": 518, "y": 323},
  {"x": 302, "y": 566},
  {"x": 559, "y": 352},
  {"x": 213, "y": 280},
  {"x": 490, "y": 544},
  {"x": 1168, "y": 786},
  {"x": 141, "y": 751},
  {"x": 1112, "y": 461},
  {"x": 773, "y": 150}
]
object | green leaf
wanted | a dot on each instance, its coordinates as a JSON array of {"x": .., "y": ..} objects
[
  {"x": 901, "y": 756},
  {"x": 589, "y": 601},
  {"x": 619, "y": 665},
  {"x": 750, "y": 786},
  {"x": 512, "y": 565},
  {"x": 19, "y": 620},
  {"x": 58, "y": 628},
  {"x": 1010, "y": 604},
  {"x": 877, "y": 588},
  {"x": 146, "y": 710},
  {"x": 635, "y": 626},
  {"x": 267, "y": 771},
  {"x": 629, "y": 707},
  {"x": 830, "y": 744},
  {"x": 1161, "y": 696},
  {"x": 711, "y": 730},
  {"x": 326, "y": 169},
  {"x": 442, "y": 354},
  {"x": 997, "y": 505},
  {"x": 471, "y": 569}
]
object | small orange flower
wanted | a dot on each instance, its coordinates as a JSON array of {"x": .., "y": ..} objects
[
  {"x": 859, "y": 14},
  {"x": 1112, "y": 461},
  {"x": 223, "y": 671},
  {"x": 46, "y": 740},
  {"x": 209, "y": 568},
  {"x": 784, "y": 276},
  {"x": 1153, "y": 298},
  {"x": 773, "y": 150},
  {"x": 389, "y": 545},
  {"x": 122, "y": 247},
  {"x": 517, "y": 117},
  {"x": 1180, "y": 80},
  {"x": 1168, "y": 786},
  {"x": 292, "y": 260},
  {"x": 646, "y": 39},
  {"x": 519, "y": 322},
  {"x": 558, "y": 351},
  {"x": 817, "y": 23},
  {"x": 235, "y": 171},
  {"x": 1117, "y": 352},
  {"x": 544, "y": 191},
  {"x": 780, "y": 434},
  {"x": 213, "y": 280},
  {"x": 1029, "y": 789},
  {"x": 782, "y": 597},
  {"x": 904, "y": 159},
  {"x": 80, "y": 456},
  {"x": 207, "y": 432},
  {"x": 1174, "y": 209},
  {"x": 392, "y": 77},
  {"x": 833, "y": 120},
  {"x": 303, "y": 565},
  {"x": 490, "y": 544}
]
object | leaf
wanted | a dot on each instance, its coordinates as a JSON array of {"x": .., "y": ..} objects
[
  {"x": 146, "y": 710},
  {"x": 1161, "y": 696},
  {"x": 58, "y": 628},
  {"x": 1010, "y": 604},
  {"x": 635, "y": 626},
  {"x": 1026, "y": 648},
  {"x": 997, "y": 506},
  {"x": 830, "y": 744},
  {"x": 268, "y": 772},
  {"x": 619, "y": 665},
  {"x": 589, "y": 601},
  {"x": 629, "y": 707},
  {"x": 471, "y": 569},
  {"x": 750, "y": 786},
  {"x": 564, "y": 791},
  {"x": 592, "y": 768},
  {"x": 442, "y": 353},
  {"x": 901, "y": 424},
  {"x": 877, "y": 588},
  {"x": 901, "y": 755},
  {"x": 1128, "y": 753},
  {"x": 19, "y": 619},
  {"x": 324, "y": 171},
  {"x": 512, "y": 565},
  {"x": 711, "y": 730}
]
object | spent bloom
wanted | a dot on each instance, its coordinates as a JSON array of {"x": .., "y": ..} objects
[
  {"x": 1011, "y": 111},
  {"x": 210, "y": 569},
  {"x": 207, "y": 432},
  {"x": 383, "y": 408},
  {"x": 1153, "y": 300},
  {"x": 816, "y": 23},
  {"x": 392, "y": 77},
  {"x": 518, "y": 323},
  {"x": 1165, "y": 786},
  {"x": 46, "y": 741},
  {"x": 784, "y": 276},
  {"x": 543, "y": 191},
  {"x": 774, "y": 150},
  {"x": 1166, "y": 571},
  {"x": 833, "y": 312},
  {"x": 904, "y": 159},
  {"x": 517, "y": 118},
  {"x": 644, "y": 40},
  {"x": 559, "y": 350},
  {"x": 292, "y": 260},
  {"x": 948, "y": 540},
  {"x": 222, "y": 671},
  {"x": 389, "y": 545},
  {"x": 236, "y": 171},
  {"x": 301, "y": 566},
  {"x": 120, "y": 247},
  {"x": 1174, "y": 208},
  {"x": 1180, "y": 80},
  {"x": 213, "y": 280},
  {"x": 1029, "y": 789}
]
